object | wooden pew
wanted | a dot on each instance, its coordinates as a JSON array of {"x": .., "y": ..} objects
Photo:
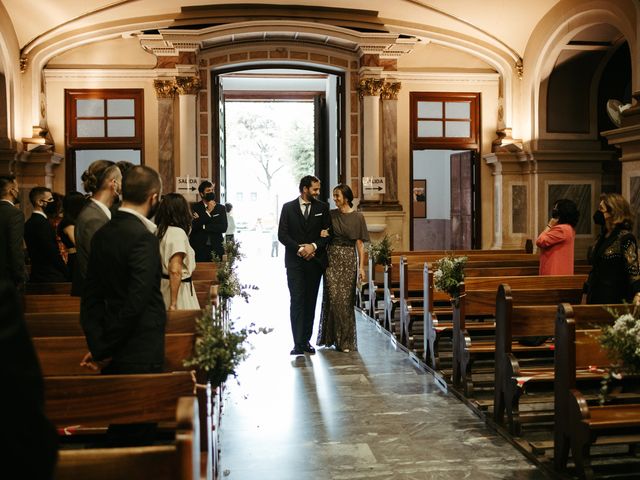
[
  {"x": 177, "y": 461},
  {"x": 513, "y": 374},
  {"x": 59, "y": 288},
  {"x": 61, "y": 303},
  {"x": 578, "y": 425},
  {"x": 475, "y": 310},
  {"x": 415, "y": 260},
  {"x": 51, "y": 303},
  {"x": 62, "y": 355},
  {"x": 67, "y": 324},
  {"x": 99, "y": 400}
]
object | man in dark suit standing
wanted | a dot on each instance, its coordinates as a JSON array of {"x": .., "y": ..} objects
[
  {"x": 209, "y": 225},
  {"x": 47, "y": 264},
  {"x": 11, "y": 233},
  {"x": 103, "y": 179},
  {"x": 301, "y": 222},
  {"x": 122, "y": 311}
]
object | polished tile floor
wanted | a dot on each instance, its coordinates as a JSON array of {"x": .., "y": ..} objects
[{"x": 369, "y": 414}]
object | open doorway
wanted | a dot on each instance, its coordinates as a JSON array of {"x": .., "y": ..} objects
[
  {"x": 274, "y": 126},
  {"x": 443, "y": 200}
]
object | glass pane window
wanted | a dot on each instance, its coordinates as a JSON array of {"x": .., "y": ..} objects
[
  {"x": 84, "y": 158},
  {"x": 458, "y": 129},
  {"x": 429, "y": 109},
  {"x": 90, "y": 108},
  {"x": 121, "y": 128},
  {"x": 460, "y": 110},
  {"x": 120, "y": 107},
  {"x": 429, "y": 128},
  {"x": 90, "y": 128}
]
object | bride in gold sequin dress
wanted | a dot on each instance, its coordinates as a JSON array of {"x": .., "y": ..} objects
[{"x": 346, "y": 265}]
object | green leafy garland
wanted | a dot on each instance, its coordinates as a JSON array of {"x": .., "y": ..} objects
[{"x": 219, "y": 349}]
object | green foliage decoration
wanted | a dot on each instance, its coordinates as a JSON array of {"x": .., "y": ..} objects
[
  {"x": 449, "y": 274},
  {"x": 380, "y": 252}
]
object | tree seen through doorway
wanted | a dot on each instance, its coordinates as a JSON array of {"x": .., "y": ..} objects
[{"x": 270, "y": 146}]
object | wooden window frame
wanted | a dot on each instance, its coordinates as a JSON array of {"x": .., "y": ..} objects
[
  {"x": 453, "y": 143},
  {"x": 73, "y": 142}
]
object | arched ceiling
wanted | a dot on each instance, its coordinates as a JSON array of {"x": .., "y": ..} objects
[{"x": 505, "y": 25}]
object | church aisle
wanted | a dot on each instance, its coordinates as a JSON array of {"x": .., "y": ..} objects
[{"x": 361, "y": 415}]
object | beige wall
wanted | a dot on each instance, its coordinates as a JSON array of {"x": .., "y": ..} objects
[
  {"x": 118, "y": 53},
  {"x": 433, "y": 57}
]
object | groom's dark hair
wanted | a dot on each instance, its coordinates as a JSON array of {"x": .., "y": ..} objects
[{"x": 307, "y": 181}]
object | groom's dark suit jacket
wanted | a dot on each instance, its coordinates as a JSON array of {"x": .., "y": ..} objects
[{"x": 295, "y": 230}]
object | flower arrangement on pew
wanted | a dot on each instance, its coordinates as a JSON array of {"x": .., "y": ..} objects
[
  {"x": 218, "y": 350},
  {"x": 622, "y": 342},
  {"x": 449, "y": 274},
  {"x": 380, "y": 252}
]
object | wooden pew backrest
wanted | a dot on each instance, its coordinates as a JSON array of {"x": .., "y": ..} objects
[{"x": 100, "y": 400}]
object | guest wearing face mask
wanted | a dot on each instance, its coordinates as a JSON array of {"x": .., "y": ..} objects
[
  {"x": 615, "y": 273},
  {"x": 47, "y": 264},
  {"x": 209, "y": 225},
  {"x": 11, "y": 233},
  {"x": 557, "y": 239},
  {"x": 103, "y": 180}
]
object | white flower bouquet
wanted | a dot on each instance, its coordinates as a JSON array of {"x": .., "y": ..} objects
[{"x": 449, "y": 274}]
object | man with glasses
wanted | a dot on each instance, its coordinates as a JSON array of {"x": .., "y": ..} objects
[{"x": 47, "y": 264}]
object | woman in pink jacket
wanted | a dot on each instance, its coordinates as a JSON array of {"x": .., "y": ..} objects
[{"x": 556, "y": 240}]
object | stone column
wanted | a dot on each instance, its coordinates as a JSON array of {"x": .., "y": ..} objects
[
  {"x": 369, "y": 89},
  {"x": 187, "y": 88},
  {"x": 165, "y": 93},
  {"x": 389, "y": 96}
]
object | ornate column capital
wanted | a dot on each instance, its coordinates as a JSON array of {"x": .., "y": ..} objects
[
  {"x": 390, "y": 90},
  {"x": 165, "y": 88},
  {"x": 188, "y": 85},
  {"x": 370, "y": 87}
]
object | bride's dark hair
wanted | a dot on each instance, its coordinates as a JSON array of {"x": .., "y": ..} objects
[
  {"x": 347, "y": 193},
  {"x": 174, "y": 211}
]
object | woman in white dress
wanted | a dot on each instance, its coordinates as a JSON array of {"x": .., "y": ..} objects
[{"x": 177, "y": 256}]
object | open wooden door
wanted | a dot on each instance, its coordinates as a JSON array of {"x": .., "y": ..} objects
[
  {"x": 219, "y": 162},
  {"x": 462, "y": 200},
  {"x": 321, "y": 148}
]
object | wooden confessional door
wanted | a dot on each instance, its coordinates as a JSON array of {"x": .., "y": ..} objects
[{"x": 462, "y": 200}]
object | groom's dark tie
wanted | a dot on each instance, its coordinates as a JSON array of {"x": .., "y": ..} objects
[{"x": 306, "y": 211}]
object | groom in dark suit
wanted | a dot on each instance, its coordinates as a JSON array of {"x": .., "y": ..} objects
[{"x": 305, "y": 257}]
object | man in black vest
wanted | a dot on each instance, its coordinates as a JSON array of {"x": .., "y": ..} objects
[{"x": 301, "y": 222}]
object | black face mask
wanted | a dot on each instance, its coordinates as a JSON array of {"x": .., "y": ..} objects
[
  {"x": 598, "y": 218},
  {"x": 50, "y": 209},
  {"x": 555, "y": 213},
  {"x": 209, "y": 197},
  {"x": 153, "y": 210}
]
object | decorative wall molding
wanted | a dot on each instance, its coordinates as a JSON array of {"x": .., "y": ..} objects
[
  {"x": 165, "y": 88},
  {"x": 390, "y": 90},
  {"x": 370, "y": 87},
  {"x": 188, "y": 85}
]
